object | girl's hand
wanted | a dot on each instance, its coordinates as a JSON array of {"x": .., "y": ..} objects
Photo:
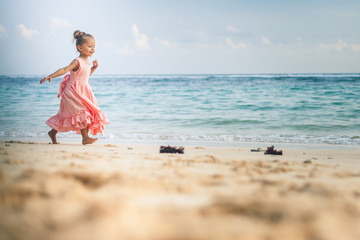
[
  {"x": 45, "y": 78},
  {"x": 95, "y": 63}
]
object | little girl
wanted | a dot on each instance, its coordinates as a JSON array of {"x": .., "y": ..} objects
[{"x": 79, "y": 110}]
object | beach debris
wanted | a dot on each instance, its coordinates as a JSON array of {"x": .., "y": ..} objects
[
  {"x": 257, "y": 150},
  {"x": 199, "y": 148},
  {"x": 308, "y": 161},
  {"x": 22, "y": 142},
  {"x": 271, "y": 150},
  {"x": 169, "y": 149},
  {"x": 110, "y": 145}
]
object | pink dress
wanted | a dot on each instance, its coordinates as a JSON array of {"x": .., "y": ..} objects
[{"x": 78, "y": 107}]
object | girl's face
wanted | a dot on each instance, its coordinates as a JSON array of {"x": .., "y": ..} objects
[{"x": 88, "y": 47}]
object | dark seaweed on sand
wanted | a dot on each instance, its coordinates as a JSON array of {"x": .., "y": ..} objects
[
  {"x": 169, "y": 149},
  {"x": 271, "y": 150}
]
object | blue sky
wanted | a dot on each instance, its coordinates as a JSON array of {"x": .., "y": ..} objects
[{"x": 183, "y": 37}]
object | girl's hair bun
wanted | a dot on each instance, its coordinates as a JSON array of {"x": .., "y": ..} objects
[
  {"x": 80, "y": 37},
  {"x": 77, "y": 33}
]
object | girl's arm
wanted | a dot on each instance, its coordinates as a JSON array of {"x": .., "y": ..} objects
[
  {"x": 95, "y": 65},
  {"x": 73, "y": 65}
]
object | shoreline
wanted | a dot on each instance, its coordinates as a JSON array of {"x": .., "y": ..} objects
[
  {"x": 299, "y": 153},
  {"x": 132, "y": 191},
  {"x": 192, "y": 143}
]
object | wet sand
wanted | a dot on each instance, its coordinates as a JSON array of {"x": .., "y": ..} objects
[{"x": 130, "y": 191}]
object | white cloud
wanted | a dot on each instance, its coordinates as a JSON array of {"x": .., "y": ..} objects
[
  {"x": 125, "y": 51},
  {"x": 234, "y": 45},
  {"x": 163, "y": 42},
  {"x": 265, "y": 40},
  {"x": 338, "y": 46},
  {"x": 27, "y": 32},
  {"x": 60, "y": 22},
  {"x": 232, "y": 29},
  {"x": 141, "y": 40},
  {"x": 120, "y": 50},
  {"x": 355, "y": 47},
  {"x": 2, "y": 31}
]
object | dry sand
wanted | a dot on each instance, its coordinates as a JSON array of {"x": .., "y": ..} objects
[{"x": 112, "y": 192}]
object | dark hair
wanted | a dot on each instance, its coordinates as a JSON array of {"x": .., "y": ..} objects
[{"x": 81, "y": 37}]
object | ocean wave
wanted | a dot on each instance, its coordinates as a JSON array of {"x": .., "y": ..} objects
[
  {"x": 223, "y": 138},
  {"x": 203, "y": 107},
  {"x": 310, "y": 76}
]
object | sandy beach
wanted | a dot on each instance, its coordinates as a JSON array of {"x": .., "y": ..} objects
[{"x": 131, "y": 191}]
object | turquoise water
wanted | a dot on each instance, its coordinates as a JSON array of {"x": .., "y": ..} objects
[{"x": 278, "y": 108}]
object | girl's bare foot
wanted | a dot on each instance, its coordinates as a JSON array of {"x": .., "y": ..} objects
[
  {"x": 89, "y": 140},
  {"x": 52, "y": 134}
]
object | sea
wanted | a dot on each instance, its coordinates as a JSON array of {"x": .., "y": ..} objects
[{"x": 215, "y": 109}]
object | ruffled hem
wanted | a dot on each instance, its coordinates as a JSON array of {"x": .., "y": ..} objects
[{"x": 81, "y": 120}]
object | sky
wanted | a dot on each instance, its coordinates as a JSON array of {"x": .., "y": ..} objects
[{"x": 183, "y": 37}]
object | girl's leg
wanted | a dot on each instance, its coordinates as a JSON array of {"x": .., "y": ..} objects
[
  {"x": 52, "y": 134},
  {"x": 86, "y": 138},
  {"x": 87, "y": 130}
]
